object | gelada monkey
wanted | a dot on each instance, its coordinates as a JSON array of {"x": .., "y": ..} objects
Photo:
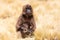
[{"x": 26, "y": 23}]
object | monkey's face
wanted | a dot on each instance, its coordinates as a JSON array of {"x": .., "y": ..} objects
[{"x": 27, "y": 11}]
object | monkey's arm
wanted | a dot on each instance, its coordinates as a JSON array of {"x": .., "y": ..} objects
[{"x": 19, "y": 21}]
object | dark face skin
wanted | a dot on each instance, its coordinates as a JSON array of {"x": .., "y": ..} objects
[
  {"x": 27, "y": 11},
  {"x": 26, "y": 24}
]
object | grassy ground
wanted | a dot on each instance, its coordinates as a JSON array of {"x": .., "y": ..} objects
[{"x": 46, "y": 14}]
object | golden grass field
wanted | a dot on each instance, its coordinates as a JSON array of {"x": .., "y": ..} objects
[{"x": 46, "y": 15}]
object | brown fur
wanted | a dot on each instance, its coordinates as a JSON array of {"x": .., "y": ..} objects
[{"x": 26, "y": 23}]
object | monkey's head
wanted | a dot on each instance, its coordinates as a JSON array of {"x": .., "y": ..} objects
[{"x": 27, "y": 11}]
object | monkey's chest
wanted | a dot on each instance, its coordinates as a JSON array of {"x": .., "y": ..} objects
[{"x": 26, "y": 20}]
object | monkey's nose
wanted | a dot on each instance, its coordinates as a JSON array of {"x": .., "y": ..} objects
[{"x": 28, "y": 11}]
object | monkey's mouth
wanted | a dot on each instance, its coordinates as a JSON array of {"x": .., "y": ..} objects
[{"x": 28, "y": 10}]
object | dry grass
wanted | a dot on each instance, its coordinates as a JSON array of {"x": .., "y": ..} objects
[{"x": 46, "y": 13}]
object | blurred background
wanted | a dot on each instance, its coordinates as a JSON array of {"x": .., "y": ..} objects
[{"x": 46, "y": 14}]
